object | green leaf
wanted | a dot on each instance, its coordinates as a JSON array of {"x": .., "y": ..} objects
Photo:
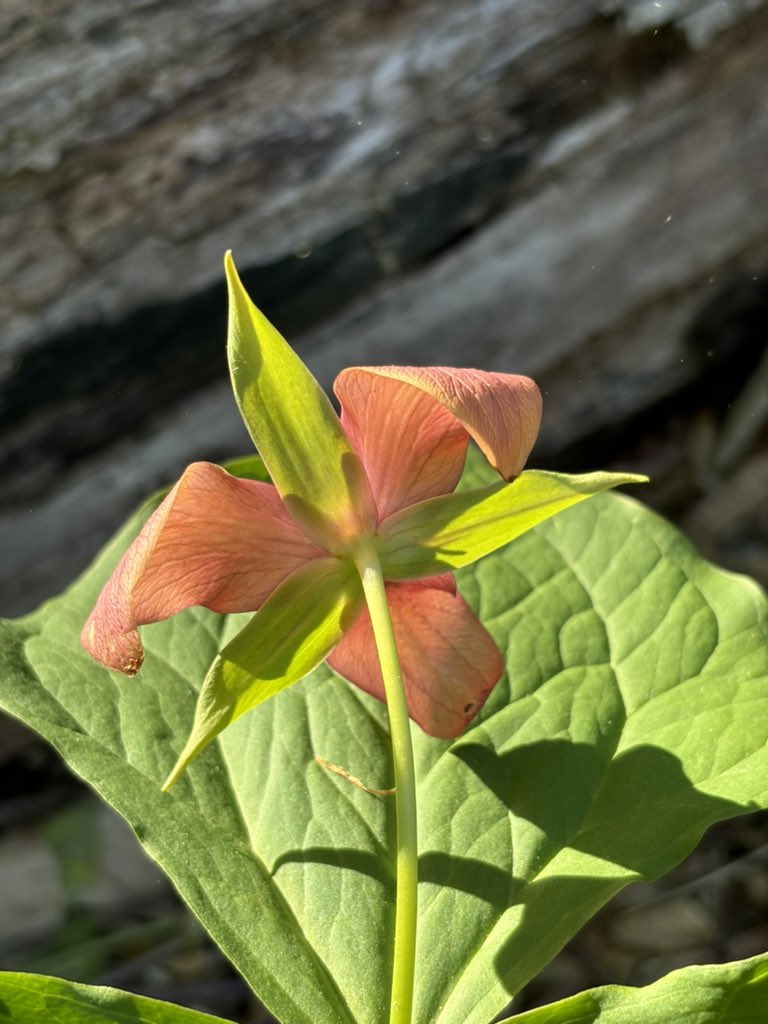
[
  {"x": 124, "y": 735},
  {"x": 35, "y": 999},
  {"x": 295, "y": 629},
  {"x": 454, "y": 530},
  {"x": 294, "y": 426},
  {"x": 248, "y": 467},
  {"x": 734, "y": 993},
  {"x": 633, "y": 714}
]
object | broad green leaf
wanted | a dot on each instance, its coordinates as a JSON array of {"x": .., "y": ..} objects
[
  {"x": 633, "y": 714},
  {"x": 294, "y": 426},
  {"x": 454, "y": 530},
  {"x": 295, "y": 629},
  {"x": 734, "y": 993},
  {"x": 36, "y": 999}
]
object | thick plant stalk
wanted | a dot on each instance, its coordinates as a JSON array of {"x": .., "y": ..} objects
[{"x": 404, "y": 962}]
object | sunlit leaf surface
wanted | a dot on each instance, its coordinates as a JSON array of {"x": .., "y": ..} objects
[
  {"x": 33, "y": 999},
  {"x": 721, "y": 994},
  {"x": 634, "y": 713}
]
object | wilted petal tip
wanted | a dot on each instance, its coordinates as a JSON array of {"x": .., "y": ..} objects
[
  {"x": 120, "y": 653},
  {"x": 132, "y": 666}
]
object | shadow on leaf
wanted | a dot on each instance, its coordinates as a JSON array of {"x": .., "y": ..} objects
[{"x": 643, "y": 817}]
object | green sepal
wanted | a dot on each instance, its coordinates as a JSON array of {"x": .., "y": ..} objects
[
  {"x": 292, "y": 632},
  {"x": 37, "y": 999},
  {"x": 454, "y": 530},
  {"x": 735, "y": 993},
  {"x": 294, "y": 426}
]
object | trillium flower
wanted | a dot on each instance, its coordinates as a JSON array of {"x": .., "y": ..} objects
[{"x": 382, "y": 474}]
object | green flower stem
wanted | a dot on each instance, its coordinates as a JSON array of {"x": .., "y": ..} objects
[{"x": 401, "y": 1004}]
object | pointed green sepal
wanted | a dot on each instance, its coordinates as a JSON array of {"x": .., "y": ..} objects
[
  {"x": 457, "y": 529},
  {"x": 292, "y": 632},
  {"x": 295, "y": 427}
]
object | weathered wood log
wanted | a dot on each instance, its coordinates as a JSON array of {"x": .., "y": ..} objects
[{"x": 576, "y": 190}]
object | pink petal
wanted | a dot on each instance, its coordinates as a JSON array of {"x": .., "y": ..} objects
[
  {"x": 216, "y": 541},
  {"x": 409, "y": 426},
  {"x": 450, "y": 662}
]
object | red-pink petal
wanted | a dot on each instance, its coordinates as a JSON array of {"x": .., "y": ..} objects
[
  {"x": 409, "y": 426},
  {"x": 216, "y": 541},
  {"x": 450, "y": 662}
]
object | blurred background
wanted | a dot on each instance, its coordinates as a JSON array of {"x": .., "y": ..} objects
[{"x": 572, "y": 189}]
